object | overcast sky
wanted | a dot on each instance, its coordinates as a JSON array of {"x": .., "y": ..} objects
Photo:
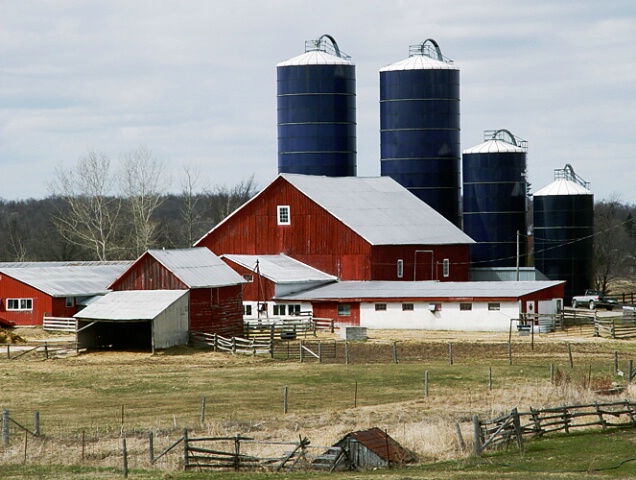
[{"x": 195, "y": 81}]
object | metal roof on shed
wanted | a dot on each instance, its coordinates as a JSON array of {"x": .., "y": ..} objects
[
  {"x": 130, "y": 305},
  {"x": 197, "y": 267},
  {"x": 69, "y": 281},
  {"x": 423, "y": 289},
  {"x": 281, "y": 268},
  {"x": 379, "y": 209}
]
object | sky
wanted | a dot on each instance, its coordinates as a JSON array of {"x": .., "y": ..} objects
[{"x": 195, "y": 81}]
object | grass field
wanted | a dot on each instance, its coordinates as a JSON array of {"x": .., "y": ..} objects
[{"x": 94, "y": 392}]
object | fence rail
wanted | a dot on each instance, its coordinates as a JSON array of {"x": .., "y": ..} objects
[
  {"x": 514, "y": 426},
  {"x": 59, "y": 324},
  {"x": 234, "y": 344},
  {"x": 46, "y": 349}
]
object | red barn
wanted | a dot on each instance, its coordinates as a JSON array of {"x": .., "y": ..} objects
[
  {"x": 216, "y": 300},
  {"x": 351, "y": 227},
  {"x": 29, "y": 291}
]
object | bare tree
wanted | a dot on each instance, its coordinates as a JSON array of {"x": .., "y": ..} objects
[
  {"x": 143, "y": 182},
  {"x": 612, "y": 242},
  {"x": 91, "y": 210},
  {"x": 191, "y": 200},
  {"x": 237, "y": 196}
]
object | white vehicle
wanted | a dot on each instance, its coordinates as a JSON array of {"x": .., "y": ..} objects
[{"x": 593, "y": 299}]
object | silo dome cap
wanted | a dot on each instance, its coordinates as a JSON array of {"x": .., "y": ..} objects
[
  {"x": 494, "y": 146},
  {"x": 324, "y": 51},
  {"x": 424, "y": 56},
  {"x": 563, "y": 187}
]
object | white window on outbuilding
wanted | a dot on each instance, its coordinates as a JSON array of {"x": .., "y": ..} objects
[
  {"x": 400, "y": 268},
  {"x": 344, "y": 310},
  {"x": 446, "y": 267},
  {"x": 284, "y": 215},
  {"x": 19, "y": 304},
  {"x": 70, "y": 302}
]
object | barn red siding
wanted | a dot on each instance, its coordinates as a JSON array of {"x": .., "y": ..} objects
[
  {"x": 43, "y": 304},
  {"x": 420, "y": 262},
  {"x": 330, "y": 310},
  {"x": 317, "y": 238},
  {"x": 217, "y": 310},
  {"x": 259, "y": 289},
  {"x": 314, "y": 237},
  {"x": 148, "y": 274}
]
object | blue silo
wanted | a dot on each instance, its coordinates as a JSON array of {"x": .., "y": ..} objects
[
  {"x": 419, "y": 127},
  {"x": 564, "y": 231},
  {"x": 317, "y": 111},
  {"x": 495, "y": 193}
]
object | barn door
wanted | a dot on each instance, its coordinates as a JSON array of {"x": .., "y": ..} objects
[
  {"x": 530, "y": 304},
  {"x": 423, "y": 262}
]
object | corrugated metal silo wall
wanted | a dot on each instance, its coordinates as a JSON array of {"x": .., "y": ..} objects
[
  {"x": 563, "y": 240},
  {"x": 420, "y": 135},
  {"x": 495, "y": 206},
  {"x": 317, "y": 120}
]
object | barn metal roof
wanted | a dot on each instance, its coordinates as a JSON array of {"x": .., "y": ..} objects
[
  {"x": 72, "y": 280},
  {"x": 197, "y": 267},
  {"x": 130, "y": 305},
  {"x": 281, "y": 268},
  {"x": 379, "y": 209},
  {"x": 423, "y": 290}
]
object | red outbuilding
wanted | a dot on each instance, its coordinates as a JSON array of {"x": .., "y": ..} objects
[
  {"x": 215, "y": 290},
  {"x": 29, "y": 291},
  {"x": 353, "y": 228}
]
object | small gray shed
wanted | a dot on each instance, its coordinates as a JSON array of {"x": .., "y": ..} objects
[
  {"x": 135, "y": 319},
  {"x": 373, "y": 448}
]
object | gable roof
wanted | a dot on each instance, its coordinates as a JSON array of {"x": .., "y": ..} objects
[
  {"x": 281, "y": 268},
  {"x": 421, "y": 289},
  {"x": 378, "y": 209},
  {"x": 197, "y": 267},
  {"x": 130, "y": 305},
  {"x": 92, "y": 278},
  {"x": 382, "y": 444}
]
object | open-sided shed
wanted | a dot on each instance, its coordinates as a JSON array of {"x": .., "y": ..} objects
[{"x": 138, "y": 319}]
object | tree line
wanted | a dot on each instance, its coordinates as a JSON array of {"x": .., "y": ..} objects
[{"x": 95, "y": 211}]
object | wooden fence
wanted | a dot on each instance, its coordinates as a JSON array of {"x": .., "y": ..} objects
[
  {"x": 59, "y": 324},
  {"x": 7, "y": 421},
  {"x": 46, "y": 349},
  {"x": 233, "y": 344},
  {"x": 238, "y": 453},
  {"x": 513, "y": 427}
]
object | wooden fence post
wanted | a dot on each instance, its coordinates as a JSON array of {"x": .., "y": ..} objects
[
  {"x": 517, "y": 425},
  {"x": 302, "y": 354},
  {"x": 395, "y": 353},
  {"x": 46, "y": 350},
  {"x": 83, "y": 442},
  {"x": 151, "y": 447},
  {"x": 186, "y": 446},
  {"x": 319, "y": 352},
  {"x": 476, "y": 436},
  {"x": 450, "y": 352},
  {"x": 8, "y": 352},
  {"x": 489, "y": 378},
  {"x": 630, "y": 370},
  {"x": 285, "y": 396},
  {"x": 355, "y": 396},
  {"x": 426, "y": 384},
  {"x": 125, "y": 459},
  {"x": 615, "y": 361},
  {"x": 36, "y": 423},
  {"x": 570, "y": 355},
  {"x": 203, "y": 410},
  {"x": 237, "y": 452},
  {"x": 460, "y": 437},
  {"x": 5, "y": 427},
  {"x": 216, "y": 343},
  {"x": 346, "y": 353}
]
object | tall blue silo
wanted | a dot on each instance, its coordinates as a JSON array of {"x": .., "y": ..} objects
[
  {"x": 419, "y": 127},
  {"x": 564, "y": 231},
  {"x": 494, "y": 200},
  {"x": 317, "y": 111}
]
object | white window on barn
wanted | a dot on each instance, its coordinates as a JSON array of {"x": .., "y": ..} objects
[
  {"x": 284, "y": 216},
  {"x": 247, "y": 310},
  {"x": 279, "y": 309},
  {"x": 465, "y": 307},
  {"x": 380, "y": 307},
  {"x": 407, "y": 307},
  {"x": 344, "y": 310},
  {"x": 446, "y": 268},
  {"x": 293, "y": 309},
  {"x": 70, "y": 302},
  {"x": 400, "y": 268},
  {"x": 19, "y": 304},
  {"x": 495, "y": 306}
]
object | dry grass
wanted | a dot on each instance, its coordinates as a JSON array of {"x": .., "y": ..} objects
[{"x": 162, "y": 394}]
